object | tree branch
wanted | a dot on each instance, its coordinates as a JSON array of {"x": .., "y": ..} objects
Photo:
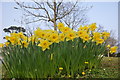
[
  {"x": 50, "y": 6},
  {"x": 36, "y": 21},
  {"x": 44, "y": 10},
  {"x": 68, "y": 12},
  {"x": 59, "y": 6}
]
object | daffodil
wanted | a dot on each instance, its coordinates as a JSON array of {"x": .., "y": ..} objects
[
  {"x": 99, "y": 41},
  {"x": 108, "y": 46},
  {"x": 65, "y": 29},
  {"x": 19, "y": 42},
  {"x": 81, "y": 33},
  {"x": 43, "y": 35},
  {"x": 86, "y": 37},
  {"x": 38, "y": 32},
  {"x": 113, "y": 49},
  {"x": 70, "y": 35},
  {"x": 25, "y": 44},
  {"x": 61, "y": 36},
  {"x": 48, "y": 35},
  {"x": 44, "y": 44},
  {"x": 14, "y": 34},
  {"x": 13, "y": 40},
  {"x": 1, "y": 45},
  {"x": 24, "y": 37},
  {"x": 93, "y": 27},
  {"x": 7, "y": 43},
  {"x": 33, "y": 39},
  {"x": 96, "y": 36},
  {"x": 54, "y": 37},
  {"x": 60, "y": 25},
  {"x": 85, "y": 28},
  {"x": 105, "y": 35},
  {"x": 7, "y": 37},
  {"x": 20, "y": 34},
  {"x": 80, "y": 28}
]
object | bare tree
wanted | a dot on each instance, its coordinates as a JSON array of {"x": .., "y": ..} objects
[
  {"x": 111, "y": 40},
  {"x": 77, "y": 17},
  {"x": 67, "y": 12}
]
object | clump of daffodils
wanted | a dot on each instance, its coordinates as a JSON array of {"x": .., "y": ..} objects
[
  {"x": 45, "y": 38},
  {"x": 48, "y": 53}
]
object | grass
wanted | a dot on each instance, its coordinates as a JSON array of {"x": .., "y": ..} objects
[
  {"x": 110, "y": 62},
  {"x": 109, "y": 68},
  {"x": 0, "y": 70}
]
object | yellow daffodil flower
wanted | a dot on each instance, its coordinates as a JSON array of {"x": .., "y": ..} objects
[
  {"x": 25, "y": 44},
  {"x": 7, "y": 37},
  {"x": 1, "y": 45},
  {"x": 80, "y": 28},
  {"x": 85, "y": 28},
  {"x": 70, "y": 35},
  {"x": 105, "y": 35},
  {"x": 108, "y": 46},
  {"x": 113, "y": 49},
  {"x": 44, "y": 44},
  {"x": 86, "y": 37},
  {"x": 60, "y": 25},
  {"x": 93, "y": 27},
  {"x": 54, "y": 37},
  {"x": 13, "y": 40},
  {"x": 99, "y": 41},
  {"x": 61, "y": 36},
  {"x": 96, "y": 36},
  {"x": 7, "y": 43},
  {"x": 65, "y": 29},
  {"x": 81, "y": 33}
]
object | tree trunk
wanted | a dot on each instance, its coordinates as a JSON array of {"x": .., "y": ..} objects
[{"x": 55, "y": 26}]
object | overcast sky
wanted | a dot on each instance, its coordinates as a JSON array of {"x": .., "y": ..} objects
[{"x": 103, "y": 13}]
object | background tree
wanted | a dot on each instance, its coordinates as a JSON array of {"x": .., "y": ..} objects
[
  {"x": 52, "y": 12},
  {"x": 77, "y": 17},
  {"x": 14, "y": 29}
]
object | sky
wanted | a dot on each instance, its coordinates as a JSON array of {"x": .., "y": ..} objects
[
  {"x": 106, "y": 15},
  {"x": 102, "y": 13}
]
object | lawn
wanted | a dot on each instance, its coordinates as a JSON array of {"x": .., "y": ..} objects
[
  {"x": 109, "y": 68},
  {"x": 0, "y": 70}
]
